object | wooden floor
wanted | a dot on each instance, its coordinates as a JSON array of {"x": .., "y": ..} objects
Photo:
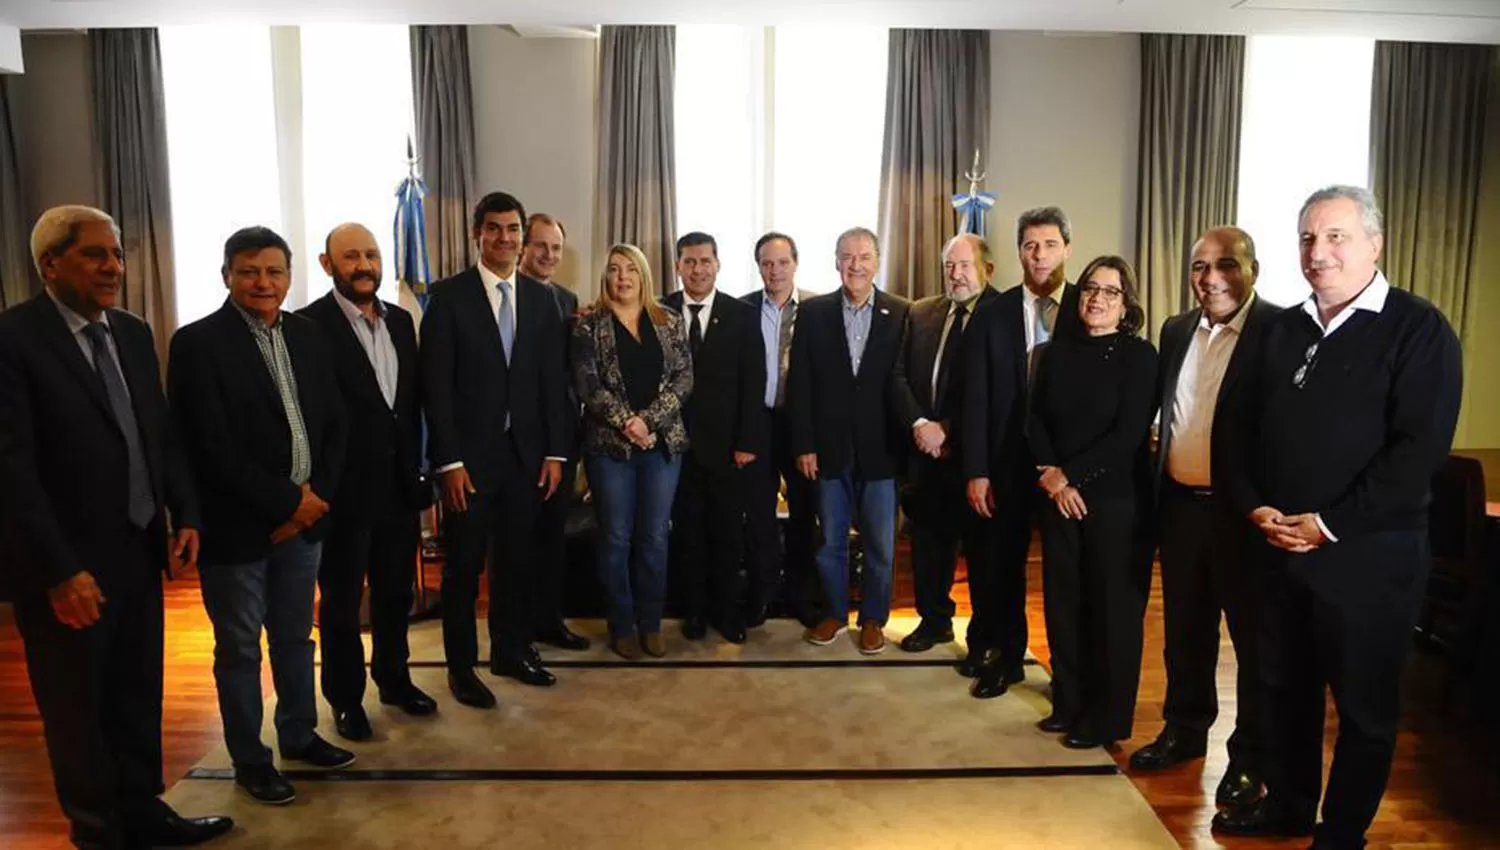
[{"x": 1444, "y": 791}]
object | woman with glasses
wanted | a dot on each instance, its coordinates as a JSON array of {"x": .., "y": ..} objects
[
  {"x": 1091, "y": 407},
  {"x": 632, "y": 372}
]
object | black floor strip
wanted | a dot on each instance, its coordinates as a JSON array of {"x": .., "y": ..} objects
[
  {"x": 720, "y": 664},
  {"x": 672, "y": 775}
]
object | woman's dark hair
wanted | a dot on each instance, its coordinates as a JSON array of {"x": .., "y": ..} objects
[
  {"x": 253, "y": 240},
  {"x": 1135, "y": 316}
]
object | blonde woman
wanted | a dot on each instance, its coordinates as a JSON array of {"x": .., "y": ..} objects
[{"x": 632, "y": 372}]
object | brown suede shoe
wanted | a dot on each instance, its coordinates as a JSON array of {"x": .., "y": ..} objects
[
  {"x": 871, "y": 639},
  {"x": 628, "y": 648},
  {"x": 654, "y": 645},
  {"x": 825, "y": 632}
]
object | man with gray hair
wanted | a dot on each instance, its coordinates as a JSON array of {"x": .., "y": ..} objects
[
  {"x": 1351, "y": 411},
  {"x": 926, "y": 394},
  {"x": 93, "y": 482}
]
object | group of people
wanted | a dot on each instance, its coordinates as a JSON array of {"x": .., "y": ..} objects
[{"x": 1287, "y": 488}]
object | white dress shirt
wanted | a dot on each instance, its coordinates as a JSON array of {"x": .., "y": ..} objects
[
  {"x": 1189, "y": 459},
  {"x": 708, "y": 309}
]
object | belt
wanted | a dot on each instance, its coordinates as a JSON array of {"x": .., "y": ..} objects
[{"x": 1196, "y": 492}]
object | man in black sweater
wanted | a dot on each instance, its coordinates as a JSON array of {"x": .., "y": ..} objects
[{"x": 1353, "y": 408}]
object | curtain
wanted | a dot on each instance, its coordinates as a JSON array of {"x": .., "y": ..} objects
[
  {"x": 443, "y": 98},
  {"x": 1427, "y": 141},
  {"x": 937, "y": 114},
  {"x": 131, "y": 146},
  {"x": 1191, "y": 90},
  {"x": 636, "y": 192},
  {"x": 17, "y": 282}
]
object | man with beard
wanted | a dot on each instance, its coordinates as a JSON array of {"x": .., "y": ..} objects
[{"x": 374, "y": 528}]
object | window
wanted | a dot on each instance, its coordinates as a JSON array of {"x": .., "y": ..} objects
[
  {"x": 777, "y": 132},
  {"x": 1295, "y": 139}
]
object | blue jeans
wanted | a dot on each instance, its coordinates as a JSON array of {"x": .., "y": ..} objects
[
  {"x": 876, "y": 502},
  {"x": 275, "y": 594},
  {"x": 634, "y": 503}
]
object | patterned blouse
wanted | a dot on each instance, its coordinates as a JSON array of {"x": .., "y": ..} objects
[{"x": 601, "y": 386}]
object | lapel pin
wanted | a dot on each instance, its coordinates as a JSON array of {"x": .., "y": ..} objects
[{"x": 885, "y": 311}]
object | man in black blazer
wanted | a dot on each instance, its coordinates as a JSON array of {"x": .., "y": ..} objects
[
  {"x": 845, "y": 432},
  {"x": 374, "y": 529},
  {"x": 773, "y": 574},
  {"x": 996, "y": 458},
  {"x": 1202, "y": 539},
  {"x": 255, "y": 392},
  {"x": 928, "y": 383},
  {"x": 494, "y": 392},
  {"x": 544, "y": 240},
  {"x": 726, "y": 424},
  {"x": 92, "y": 483}
]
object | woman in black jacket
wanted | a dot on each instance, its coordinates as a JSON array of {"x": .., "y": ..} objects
[{"x": 1092, "y": 402}]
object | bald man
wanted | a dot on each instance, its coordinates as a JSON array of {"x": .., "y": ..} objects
[
  {"x": 1204, "y": 353},
  {"x": 375, "y": 529}
]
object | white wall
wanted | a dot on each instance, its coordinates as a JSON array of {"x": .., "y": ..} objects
[
  {"x": 1064, "y": 131},
  {"x": 534, "y": 132}
]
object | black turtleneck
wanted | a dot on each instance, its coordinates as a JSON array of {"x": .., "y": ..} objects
[{"x": 1091, "y": 406}]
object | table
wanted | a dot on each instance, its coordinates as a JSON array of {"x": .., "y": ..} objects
[{"x": 1490, "y": 460}]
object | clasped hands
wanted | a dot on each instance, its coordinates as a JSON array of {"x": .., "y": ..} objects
[
  {"x": 931, "y": 439},
  {"x": 638, "y": 433},
  {"x": 1296, "y": 533}
]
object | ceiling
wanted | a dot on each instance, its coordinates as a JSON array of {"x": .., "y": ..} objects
[{"x": 1411, "y": 20}]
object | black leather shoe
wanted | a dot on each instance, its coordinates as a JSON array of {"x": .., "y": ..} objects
[
  {"x": 264, "y": 784},
  {"x": 972, "y": 663},
  {"x": 1054, "y": 723},
  {"x": 468, "y": 690},
  {"x": 410, "y": 699},
  {"x": 1238, "y": 788},
  {"x": 563, "y": 637},
  {"x": 1262, "y": 818},
  {"x": 694, "y": 628},
  {"x": 353, "y": 725},
  {"x": 925, "y": 637},
  {"x": 733, "y": 632},
  {"x": 1084, "y": 741},
  {"x": 756, "y": 616},
  {"x": 320, "y": 753},
  {"x": 163, "y": 827},
  {"x": 1172, "y": 747},
  {"x": 527, "y": 669}
]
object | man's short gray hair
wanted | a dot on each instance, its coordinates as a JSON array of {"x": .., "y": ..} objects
[
  {"x": 1370, "y": 216},
  {"x": 1042, "y": 216},
  {"x": 856, "y": 231},
  {"x": 981, "y": 247},
  {"x": 58, "y": 227}
]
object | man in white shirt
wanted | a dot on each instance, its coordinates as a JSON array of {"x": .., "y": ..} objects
[{"x": 1205, "y": 352}]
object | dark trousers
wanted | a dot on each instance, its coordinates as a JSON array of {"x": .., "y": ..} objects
[
  {"x": 708, "y": 539},
  {"x": 935, "y": 500},
  {"x": 1204, "y": 571},
  {"x": 1095, "y": 601},
  {"x": 790, "y": 572},
  {"x": 1342, "y": 617},
  {"x": 499, "y": 524},
  {"x": 550, "y": 578},
  {"x": 99, "y": 691},
  {"x": 997, "y": 575},
  {"x": 382, "y": 547}
]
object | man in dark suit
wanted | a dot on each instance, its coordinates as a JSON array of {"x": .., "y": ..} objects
[
  {"x": 790, "y": 575},
  {"x": 92, "y": 483},
  {"x": 1350, "y": 412},
  {"x": 1202, "y": 538},
  {"x": 497, "y": 419},
  {"x": 996, "y": 458},
  {"x": 845, "y": 432},
  {"x": 255, "y": 392},
  {"x": 928, "y": 382},
  {"x": 726, "y": 424},
  {"x": 375, "y": 530},
  {"x": 543, "y": 251}
]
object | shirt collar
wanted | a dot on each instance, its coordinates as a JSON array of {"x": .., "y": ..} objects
[
  {"x": 1032, "y": 297},
  {"x": 851, "y": 306},
  {"x": 254, "y": 321},
  {"x": 491, "y": 279},
  {"x": 708, "y": 302},
  {"x": 76, "y": 321},
  {"x": 1371, "y": 298},
  {"x": 767, "y": 301},
  {"x": 1236, "y": 322},
  {"x": 352, "y": 310}
]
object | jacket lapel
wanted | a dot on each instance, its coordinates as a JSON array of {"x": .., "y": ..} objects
[
  {"x": 242, "y": 344},
  {"x": 55, "y": 332},
  {"x": 345, "y": 338}
]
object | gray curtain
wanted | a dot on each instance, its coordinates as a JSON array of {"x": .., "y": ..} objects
[
  {"x": 937, "y": 113},
  {"x": 636, "y": 194},
  {"x": 443, "y": 98},
  {"x": 1191, "y": 90},
  {"x": 131, "y": 146},
  {"x": 1427, "y": 142},
  {"x": 17, "y": 283}
]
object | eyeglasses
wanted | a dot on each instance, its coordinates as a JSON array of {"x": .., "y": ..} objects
[
  {"x": 1108, "y": 293},
  {"x": 1309, "y": 360}
]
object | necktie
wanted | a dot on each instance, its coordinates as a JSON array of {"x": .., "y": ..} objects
[
  {"x": 695, "y": 331},
  {"x": 507, "y": 320},
  {"x": 1046, "y": 316},
  {"x": 142, "y": 506},
  {"x": 784, "y": 344},
  {"x": 946, "y": 360}
]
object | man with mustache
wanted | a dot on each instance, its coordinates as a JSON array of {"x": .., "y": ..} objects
[
  {"x": 1205, "y": 352},
  {"x": 1351, "y": 412},
  {"x": 374, "y": 529}
]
